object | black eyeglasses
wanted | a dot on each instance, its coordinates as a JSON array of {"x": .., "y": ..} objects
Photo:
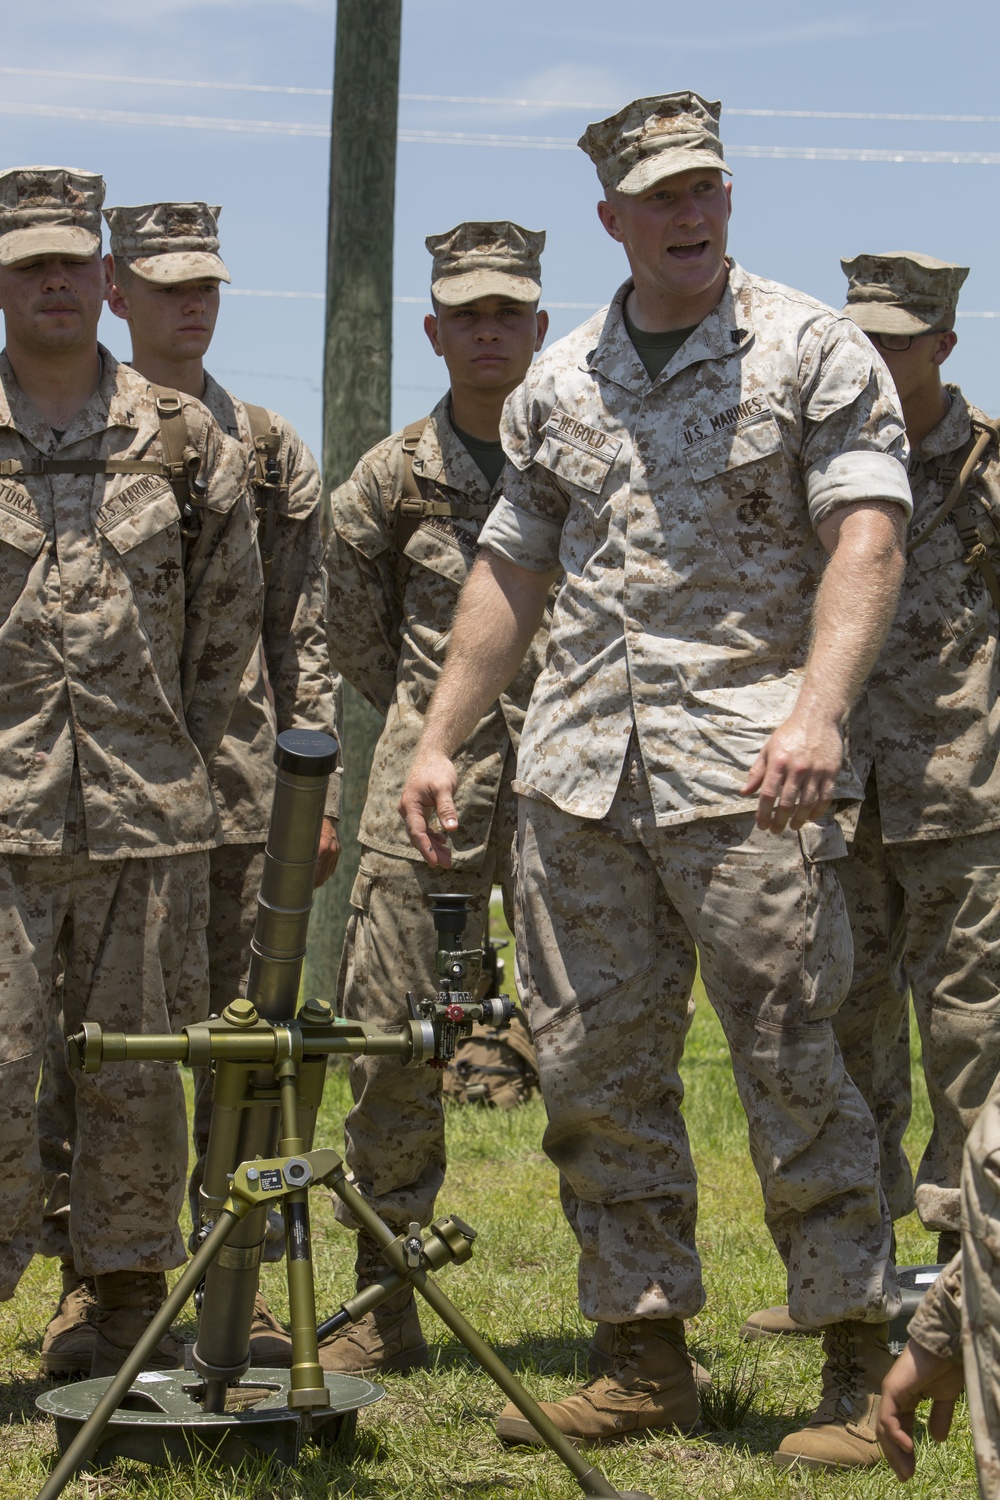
[{"x": 898, "y": 343}]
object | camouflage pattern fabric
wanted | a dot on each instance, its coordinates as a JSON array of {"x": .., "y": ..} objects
[
  {"x": 873, "y": 1024},
  {"x": 609, "y": 912},
  {"x": 493, "y": 1067},
  {"x": 121, "y": 713},
  {"x": 235, "y": 872},
  {"x": 923, "y": 880},
  {"x": 168, "y": 243},
  {"x": 687, "y": 500},
  {"x": 934, "y": 693},
  {"x": 140, "y": 691},
  {"x": 389, "y": 615},
  {"x": 289, "y": 686},
  {"x": 940, "y": 902},
  {"x": 394, "y": 1134},
  {"x": 959, "y": 1317},
  {"x": 129, "y": 938}
]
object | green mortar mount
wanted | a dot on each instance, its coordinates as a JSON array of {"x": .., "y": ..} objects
[{"x": 269, "y": 1066}]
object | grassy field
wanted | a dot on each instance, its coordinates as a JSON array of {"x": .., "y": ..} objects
[{"x": 432, "y": 1434}]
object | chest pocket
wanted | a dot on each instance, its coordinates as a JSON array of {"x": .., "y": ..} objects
[
  {"x": 126, "y": 522},
  {"x": 742, "y": 481},
  {"x": 437, "y": 565},
  {"x": 22, "y": 537}
]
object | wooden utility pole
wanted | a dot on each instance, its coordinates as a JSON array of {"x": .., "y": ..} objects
[{"x": 357, "y": 367}]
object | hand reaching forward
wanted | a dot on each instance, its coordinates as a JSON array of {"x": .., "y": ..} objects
[{"x": 429, "y": 791}]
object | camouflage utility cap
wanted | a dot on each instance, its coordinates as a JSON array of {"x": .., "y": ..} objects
[
  {"x": 902, "y": 291},
  {"x": 168, "y": 242},
  {"x": 654, "y": 138},
  {"x": 49, "y": 211},
  {"x": 494, "y": 259}
]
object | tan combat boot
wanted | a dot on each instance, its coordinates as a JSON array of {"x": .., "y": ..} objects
[
  {"x": 776, "y": 1323},
  {"x": 127, "y": 1301},
  {"x": 840, "y": 1433},
  {"x": 68, "y": 1345},
  {"x": 600, "y": 1356},
  {"x": 649, "y": 1385},
  {"x": 388, "y": 1339},
  {"x": 270, "y": 1345}
]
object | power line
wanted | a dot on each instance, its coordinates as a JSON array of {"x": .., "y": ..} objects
[
  {"x": 231, "y": 291},
  {"x": 484, "y": 99},
  {"x": 470, "y": 139}
]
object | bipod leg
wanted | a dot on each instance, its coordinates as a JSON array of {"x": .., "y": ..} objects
[
  {"x": 590, "y": 1479},
  {"x": 90, "y": 1433}
]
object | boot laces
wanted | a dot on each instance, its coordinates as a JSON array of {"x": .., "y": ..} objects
[{"x": 842, "y": 1376}]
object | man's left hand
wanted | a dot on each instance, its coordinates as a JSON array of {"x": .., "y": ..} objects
[
  {"x": 916, "y": 1376},
  {"x": 329, "y": 853},
  {"x": 796, "y": 770}
]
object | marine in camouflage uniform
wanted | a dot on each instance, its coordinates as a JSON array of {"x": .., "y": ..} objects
[
  {"x": 405, "y": 535},
  {"x": 123, "y": 644},
  {"x": 689, "y": 515},
  {"x": 953, "y": 1334},
  {"x": 923, "y": 880},
  {"x": 167, "y": 275}
]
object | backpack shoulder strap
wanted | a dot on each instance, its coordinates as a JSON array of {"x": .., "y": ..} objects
[
  {"x": 957, "y": 476},
  {"x": 269, "y": 484},
  {"x": 183, "y": 461},
  {"x": 409, "y": 511},
  {"x": 976, "y": 528}
]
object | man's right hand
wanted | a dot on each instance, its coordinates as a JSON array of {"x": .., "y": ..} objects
[
  {"x": 429, "y": 792},
  {"x": 918, "y": 1375}
]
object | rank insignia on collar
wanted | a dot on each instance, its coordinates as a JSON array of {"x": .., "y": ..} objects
[{"x": 737, "y": 335}]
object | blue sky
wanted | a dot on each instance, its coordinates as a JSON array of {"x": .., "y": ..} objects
[{"x": 931, "y": 185}]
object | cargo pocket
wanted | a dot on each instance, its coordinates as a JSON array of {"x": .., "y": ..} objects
[{"x": 827, "y": 946}]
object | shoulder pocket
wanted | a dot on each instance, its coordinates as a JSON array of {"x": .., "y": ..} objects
[
  {"x": 20, "y": 531},
  {"x": 431, "y": 549},
  {"x": 128, "y": 519},
  {"x": 585, "y": 468}
]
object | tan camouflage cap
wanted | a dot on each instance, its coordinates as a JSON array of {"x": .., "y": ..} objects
[
  {"x": 653, "y": 138},
  {"x": 49, "y": 211},
  {"x": 901, "y": 291},
  {"x": 168, "y": 242},
  {"x": 484, "y": 259}
]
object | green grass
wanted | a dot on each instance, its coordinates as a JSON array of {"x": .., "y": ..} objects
[{"x": 432, "y": 1434}]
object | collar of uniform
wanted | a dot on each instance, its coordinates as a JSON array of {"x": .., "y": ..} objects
[
  {"x": 952, "y": 432},
  {"x": 727, "y": 328},
  {"x": 442, "y": 456},
  {"x": 104, "y": 409},
  {"x": 222, "y": 404}
]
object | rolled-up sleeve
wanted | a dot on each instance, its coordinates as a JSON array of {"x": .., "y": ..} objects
[
  {"x": 522, "y": 538},
  {"x": 525, "y": 525},
  {"x": 854, "y": 437},
  {"x": 937, "y": 1323}
]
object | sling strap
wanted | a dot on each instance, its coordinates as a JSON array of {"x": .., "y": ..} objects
[
  {"x": 966, "y": 516},
  {"x": 181, "y": 464},
  {"x": 413, "y": 507},
  {"x": 269, "y": 487}
]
